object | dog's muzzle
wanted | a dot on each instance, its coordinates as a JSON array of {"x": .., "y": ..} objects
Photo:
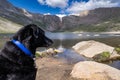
[{"x": 48, "y": 42}]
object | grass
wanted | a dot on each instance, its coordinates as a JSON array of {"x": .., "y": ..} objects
[
  {"x": 109, "y": 25},
  {"x": 102, "y": 56},
  {"x": 117, "y": 49},
  {"x": 7, "y": 26}
]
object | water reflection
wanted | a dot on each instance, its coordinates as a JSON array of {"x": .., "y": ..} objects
[
  {"x": 115, "y": 64},
  {"x": 69, "y": 56},
  {"x": 61, "y": 48},
  {"x": 85, "y": 35}
]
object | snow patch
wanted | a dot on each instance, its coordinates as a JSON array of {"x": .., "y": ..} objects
[{"x": 26, "y": 13}]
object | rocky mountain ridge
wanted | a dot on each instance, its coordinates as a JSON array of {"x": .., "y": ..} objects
[
  {"x": 93, "y": 19},
  {"x": 23, "y": 17},
  {"x": 102, "y": 19}
]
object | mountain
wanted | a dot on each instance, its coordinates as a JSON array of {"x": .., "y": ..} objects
[
  {"x": 101, "y": 19},
  {"x": 22, "y": 17}
]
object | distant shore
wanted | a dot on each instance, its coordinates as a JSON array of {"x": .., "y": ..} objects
[{"x": 113, "y": 32}]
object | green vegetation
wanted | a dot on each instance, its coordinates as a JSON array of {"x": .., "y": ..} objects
[
  {"x": 37, "y": 55},
  {"x": 102, "y": 56},
  {"x": 7, "y": 26},
  {"x": 40, "y": 54},
  {"x": 109, "y": 25},
  {"x": 117, "y": 49},
  {"x": 105, "y": 54},
  {"x": 13, "y": 23}
]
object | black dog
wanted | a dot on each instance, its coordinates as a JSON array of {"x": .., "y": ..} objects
[{"x": 15, "y": 63}]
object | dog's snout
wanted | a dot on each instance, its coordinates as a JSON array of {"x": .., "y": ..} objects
[{"x": 49, "y": 42}]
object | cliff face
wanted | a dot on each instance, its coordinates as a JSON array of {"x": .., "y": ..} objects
[
  {"x": 52, "y": 22},
  {"x": 102, "y": 19},
  {"x": 23, "y": 17},
  {"x": 93, "y": 18}
]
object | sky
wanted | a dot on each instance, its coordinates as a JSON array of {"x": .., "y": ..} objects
[{"x": 63, "y": 7}]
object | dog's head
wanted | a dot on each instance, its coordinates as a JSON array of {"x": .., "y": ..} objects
[{"x": 32, "y": 35}]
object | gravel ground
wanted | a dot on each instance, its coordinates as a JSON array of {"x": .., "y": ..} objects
[{"x": 50, "y": 68}]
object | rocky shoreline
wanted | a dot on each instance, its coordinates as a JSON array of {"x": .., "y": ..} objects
[{"x": 53, "y": 68}]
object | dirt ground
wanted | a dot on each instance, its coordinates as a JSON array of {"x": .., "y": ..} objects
[{"x": 50, "y": 68}]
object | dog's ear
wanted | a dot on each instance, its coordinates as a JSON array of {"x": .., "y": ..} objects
[
  {"x": 26, "y": 33},
  {"x": 35, "y": 32}
]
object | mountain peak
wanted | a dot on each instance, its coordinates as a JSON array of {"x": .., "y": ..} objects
[{"x": 5, "y": 4}]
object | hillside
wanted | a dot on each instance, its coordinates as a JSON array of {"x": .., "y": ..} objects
[
  {"x": 23, "y": 17},
  {"x": 98, "y": 20},
  {"x": 8, "y": 26},
  {"x": 101, "y": 19}
]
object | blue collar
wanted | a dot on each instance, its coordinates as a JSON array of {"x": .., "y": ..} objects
[{"x": 22, "y": 47}]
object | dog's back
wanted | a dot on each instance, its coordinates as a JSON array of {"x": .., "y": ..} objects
[{"x": 15, "y": 66}]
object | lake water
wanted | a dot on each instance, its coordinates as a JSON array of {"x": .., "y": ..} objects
[
  {"x": 68, "y": 40},
  {"x": 65, "y": 41}
]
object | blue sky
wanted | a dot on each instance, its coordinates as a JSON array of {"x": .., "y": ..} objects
[{"x": 63, "y": 6}]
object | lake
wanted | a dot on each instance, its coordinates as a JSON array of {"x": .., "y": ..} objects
[
  {"x": 65, "y": 41},
  {"x": 68, "y": 40}
]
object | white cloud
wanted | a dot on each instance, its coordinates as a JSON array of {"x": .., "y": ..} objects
[
  {"x": 77, "y": 7},
  {"x": 41, "y": 1},
  {"x": 57, "y": 3},
  {"x": 54, "y": 3}
]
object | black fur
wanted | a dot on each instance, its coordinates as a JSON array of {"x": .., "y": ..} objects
[{"x": 14, "y": 63}]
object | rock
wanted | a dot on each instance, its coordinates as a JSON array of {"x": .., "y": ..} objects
[
  {"x": 89, "y": 70},
  {"x": 96, "y": 51},
  {"x": 48, "y": 52},
  {"x": 91, "y": 48}
]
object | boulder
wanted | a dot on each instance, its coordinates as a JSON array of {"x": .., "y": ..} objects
[
  {"x": 89, "y": 70},
  {"x": 91, "y": 48}
]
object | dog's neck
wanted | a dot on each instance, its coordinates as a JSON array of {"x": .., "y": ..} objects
[
  {"x": 16, "y": 55},
  {"x": 23, "y": 48},
  {"x": 29, "y": 46}
]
